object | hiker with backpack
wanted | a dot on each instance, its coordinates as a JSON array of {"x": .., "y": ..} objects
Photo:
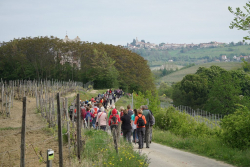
[
  {"x": 94, "y": 112},
  {"x": 135, "y": 136},
  {"x": 101, "y": 120},
  {"x": 88, "y": 117},
  {"x": 126, "y": 126},
  {"x": 140, "y": 121},
  {"x": 148, "y": 117},
  {"x": 114, "y": 119}
]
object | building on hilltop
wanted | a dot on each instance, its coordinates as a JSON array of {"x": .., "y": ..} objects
[
  {"x": 66, "y": 39},
  {"x": 69, "y": 57},
  {"x": 136, "y": 44}
]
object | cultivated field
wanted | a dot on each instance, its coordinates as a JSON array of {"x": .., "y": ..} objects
[{"x": 178, "y": 75}]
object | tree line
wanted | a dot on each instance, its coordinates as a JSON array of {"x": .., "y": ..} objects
[
  {"x": 213, "y": 89},
  {"x": 51, "y": 58}
]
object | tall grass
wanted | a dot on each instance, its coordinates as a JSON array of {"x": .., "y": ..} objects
[
  {"x": 211, "y": 147},
  {"x": 99, "y": 151}
]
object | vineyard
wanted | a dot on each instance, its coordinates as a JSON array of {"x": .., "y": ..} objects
[{"x": 36, "y": 100}]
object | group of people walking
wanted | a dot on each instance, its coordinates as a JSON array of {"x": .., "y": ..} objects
[{"x": 137, "y": 123}]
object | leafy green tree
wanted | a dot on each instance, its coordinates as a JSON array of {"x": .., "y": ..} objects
[
  {"x": 241, "y": 20},
  {"x": 195, "y": 89},
  {"x": 224, "y": 95}
]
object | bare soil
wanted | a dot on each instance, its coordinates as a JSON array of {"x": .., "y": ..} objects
[{"x": 37, "y": 139}]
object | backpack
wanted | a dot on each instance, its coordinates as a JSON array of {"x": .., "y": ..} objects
[
  {"x": 152, "y": 122},
  {"x": 140, "y": 121},
  {"x": 114, "y": 120},
  {"x": 88, "y": 116}
]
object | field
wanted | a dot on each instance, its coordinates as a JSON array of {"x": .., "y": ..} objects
[
  {"x": 213, "y": 52},
  {"x": 178, "y": 75},
  {"x": 168, "y": 66}
]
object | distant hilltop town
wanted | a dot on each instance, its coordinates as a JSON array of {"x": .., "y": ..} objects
[{"x": 136, "y": 44}]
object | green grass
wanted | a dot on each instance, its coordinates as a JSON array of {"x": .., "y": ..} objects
[
  {"x": 211, "y": 147},
  {"x": 99, "y": 151},
  {"x": 178, "y": 75},
  {"x": 123, "y": 101},
  {"x": 88, "y": 95},
  {"x": 198, "y": 53},
  {"x": 10, "y": 128}
]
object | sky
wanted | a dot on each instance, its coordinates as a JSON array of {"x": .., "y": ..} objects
[{"x": 119, "y": 22}]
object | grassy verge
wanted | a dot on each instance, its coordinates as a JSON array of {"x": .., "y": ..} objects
[
  {"x": 99, "y": 151},
  {"x": 88, "y": 95},
  {"x": 123, "y": 101},
  {"x": 207, "y": 146}
]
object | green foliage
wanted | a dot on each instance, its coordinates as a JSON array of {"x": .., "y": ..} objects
[
  {"x": 165, "y": 89},
  {"x": 214, "y": 89},
  {"x": 241, "y": 20},
  {"x": 236, "y": 128},
  {"x": 45, "y": 58},
  {"x": 224, "y": 94},
  {"x": 148, "y": 98},
  {"x": 99, "y": 151},
  {"x": 182, "y": 124}
]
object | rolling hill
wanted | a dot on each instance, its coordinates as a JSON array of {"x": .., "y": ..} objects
[{"x": 178, "y": 75}]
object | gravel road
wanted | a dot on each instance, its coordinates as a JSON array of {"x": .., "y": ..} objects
[{"x": 163, "y": 156}]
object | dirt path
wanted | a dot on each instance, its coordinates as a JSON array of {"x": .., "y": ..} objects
[
  {"x": 37, "y": 139},
  {"x": 162, "y": 156}
]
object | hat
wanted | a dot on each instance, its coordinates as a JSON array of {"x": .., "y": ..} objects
[
  {"x": 102, "y": 109},
  {"x": 114, "y": 111}
]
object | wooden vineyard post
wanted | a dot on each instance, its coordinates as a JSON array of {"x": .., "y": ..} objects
[
  {"x": 6, "y": 105},
  {"x": 78, "y": 127},
  {"x": 68, "y": 127},
  {"x": 22, "y": 160},
  {"x": 49, "y": 119},
  {"x": 59, "y": 131},
  {"x": 2, "y": 96},
  {"x": 9, "y": 104}
]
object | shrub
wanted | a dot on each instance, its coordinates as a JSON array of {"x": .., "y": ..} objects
[
  {"x": 236, "y": 128},
  {"x": 183, "y": 124}
]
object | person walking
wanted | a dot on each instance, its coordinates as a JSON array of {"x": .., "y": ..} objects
[
  {"x": 88, "y": 117},
  {"x": 102, "y": 119},
  {"x": 130, "y": 111},
  {"x": 148, "y": 117},
  {"x": 114, "y": 119},
  {"x": 110, "y": 98},
  {"x": 126, "y": 126},
  {"x": 134, "y": 127},
  {"x": 140, "y": 121}
]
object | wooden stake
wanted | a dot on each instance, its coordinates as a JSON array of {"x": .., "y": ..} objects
[
  {"x": 22, "y": 160},
  {"x": 59, "y": 131},
  {"x": 78, "y": 127}
]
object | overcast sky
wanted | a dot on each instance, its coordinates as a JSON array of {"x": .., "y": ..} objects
[{"x": 119, "y": 22}]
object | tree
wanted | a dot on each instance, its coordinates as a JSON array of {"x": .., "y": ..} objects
[
  {"x": 224, "y": 95},
  {"x": 241, "y": 20}
]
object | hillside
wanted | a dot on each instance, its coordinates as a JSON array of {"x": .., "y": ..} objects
[
  {"x": 187, "y": 56},
  {"x": 178, "y": 75}
]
